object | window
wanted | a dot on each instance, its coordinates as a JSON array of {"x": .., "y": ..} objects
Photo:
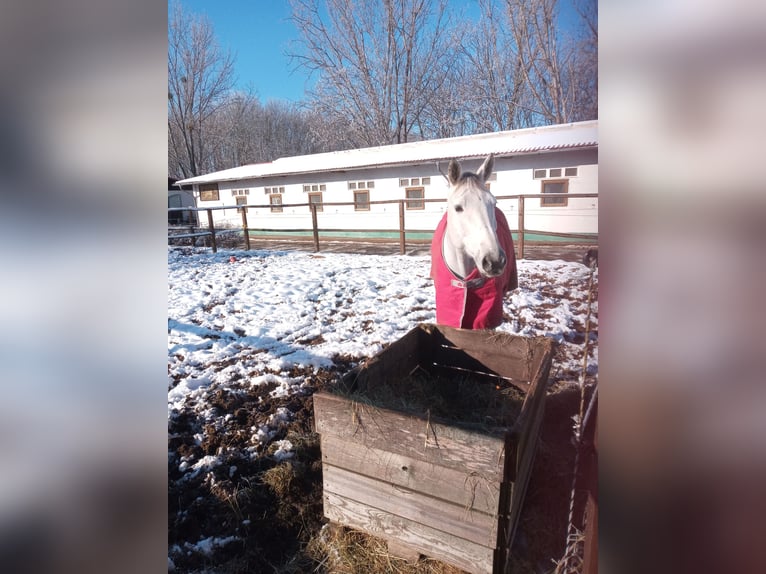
[
  {"x": 271, "y": 190},
  {"x": 241, "y": 200},
  {"x": 316, "y": 199},
  {"x": 208, "y": 192},
  {"x": 415, "y": 193},
  {"x": 308, "y": 187},
  {"x": 361, "y": 184},
  {"x": 558, "y": 186},
  {"x": 276, "y": 203},
  {"x": 555, "y": 172},
  {"x": 237, "y": 192},
  {"x": 405, "y": 182},
  {"x": 361, "y": 200}
]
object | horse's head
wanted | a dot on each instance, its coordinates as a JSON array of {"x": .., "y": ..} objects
[{"x": 471, "y": 224}]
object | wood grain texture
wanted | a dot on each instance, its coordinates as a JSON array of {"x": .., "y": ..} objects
[
  {"x": 436, "y": 544},
  {"x": 465, "y": 489},
  {"x": 445, "y": 445},
  {"x": 412, "y": 505},
  {"x": 517, "y": 358}
]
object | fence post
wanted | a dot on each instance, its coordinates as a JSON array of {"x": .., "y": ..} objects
[
  {"x": 521, "y": 227},
  {"x": 314, "y": 226},
  {"x": 402, "y": 249},
  {"x": 212, "y": 229},
  {"x": 244, "y": 228}
]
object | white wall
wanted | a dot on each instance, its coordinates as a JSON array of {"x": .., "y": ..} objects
[{"x": 514, "y": 176}]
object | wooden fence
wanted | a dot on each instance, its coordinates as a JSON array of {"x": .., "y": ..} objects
[{"x": 315, "y": 230}]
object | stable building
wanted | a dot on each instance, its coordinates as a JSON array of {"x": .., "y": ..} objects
[{"x": 357, "y": 193}]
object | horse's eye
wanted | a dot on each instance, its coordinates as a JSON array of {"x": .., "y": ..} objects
[{"x": 459, "y": 208}]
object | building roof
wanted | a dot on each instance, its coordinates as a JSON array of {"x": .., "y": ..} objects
[{"x": 516, "y": 142}]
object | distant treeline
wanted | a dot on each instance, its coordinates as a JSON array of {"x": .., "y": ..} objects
[{"x": 385, "y": 71}]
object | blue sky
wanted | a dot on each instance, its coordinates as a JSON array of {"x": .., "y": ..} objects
[{"x": 258, "y": 33}]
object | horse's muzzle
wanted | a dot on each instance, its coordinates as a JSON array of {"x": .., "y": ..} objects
[{"x": 491, "y": 266}]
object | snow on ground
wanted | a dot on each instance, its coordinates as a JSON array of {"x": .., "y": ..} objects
[
  {"x": 239, "y": 320},
  {"x": 266, "y": 312}
]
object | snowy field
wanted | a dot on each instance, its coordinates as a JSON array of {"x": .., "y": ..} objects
[{"x": 267, "y": 321}]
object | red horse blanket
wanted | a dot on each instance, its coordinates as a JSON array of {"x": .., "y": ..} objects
[{"x": 475, "y": 302}]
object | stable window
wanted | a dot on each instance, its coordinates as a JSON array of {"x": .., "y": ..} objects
[
  {"x": 208, "y": 192},
  {"x": 406, "y": 182},
  {"x": 362, "y": 200},
  {"x": 309, "y": 187},
  {"x": 241, "y": 200},
  {"x": 415, "y": 193},
  {"x": 554, "y": 186},
  {"x": 276, "y": 203},
  {"x": 361, "y": 184},
  {"x": 316, "y": 199}
]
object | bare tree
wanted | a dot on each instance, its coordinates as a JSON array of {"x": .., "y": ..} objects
[
  {"x": 200, "y": 75},
  {"x": 560, "y": 81},
  {"x": 378, "y": 61},
  {"x": 231, "y": 134},
  {"x": 586, "y": 62},
  {"x": 500, "y": 97}
]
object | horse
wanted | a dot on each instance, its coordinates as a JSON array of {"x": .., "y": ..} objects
[{"x": 473, "y": 262}]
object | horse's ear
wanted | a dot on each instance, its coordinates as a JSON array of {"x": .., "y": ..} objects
[
  {"x": 486, "y": 168},
  {"x": 453, "y": 171}
]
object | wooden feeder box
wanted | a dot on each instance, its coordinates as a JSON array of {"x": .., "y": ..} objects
[{"x": 447, "y": 487}]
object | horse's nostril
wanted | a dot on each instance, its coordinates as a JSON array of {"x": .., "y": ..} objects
[{"x": 493, "y": 266}]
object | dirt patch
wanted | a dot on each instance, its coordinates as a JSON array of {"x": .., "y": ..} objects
[{"x": 258, "y": 510}]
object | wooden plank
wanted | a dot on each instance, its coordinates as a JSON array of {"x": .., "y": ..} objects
[
  {"x": 467, "y": 490},
  {"x": 509, "y": 356},
  {"x": 520, "y": 236},
  {"x": 314, "y": 226},
  {"x": 402, "y": 249},
  {"x": 244, "y": 228},
  {"x": 408, "y": 435},
  {"x": 434, "y": 512},
  {"x": 211, "y": 227},
  {"x": 396, "y": 548},
  {"x": 395, "y": 362},
  {"x": 436, "y": 544}
]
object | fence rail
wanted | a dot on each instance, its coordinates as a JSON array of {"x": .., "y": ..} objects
[{"x": 402, "y": 230}]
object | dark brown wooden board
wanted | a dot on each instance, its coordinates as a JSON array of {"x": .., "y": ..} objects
[
  {"x": 516, "y": 358},
  {"x": 447, "y": 548},
  {"x": 436, "y": 513},
  {"x": 408, "y": 435},
  {"x": 466, "y": 489},
  {"x": 448, "y": 489}
]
